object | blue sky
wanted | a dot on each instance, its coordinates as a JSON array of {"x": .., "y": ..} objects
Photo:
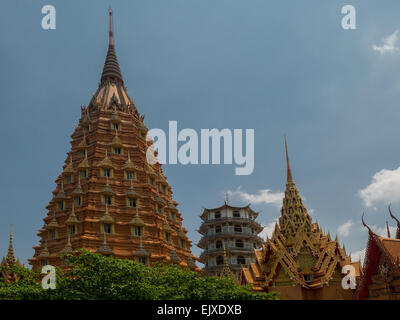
[{"x": 280, "y": 67}]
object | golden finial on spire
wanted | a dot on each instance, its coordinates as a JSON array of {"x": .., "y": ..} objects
[{"x": 289, "y": 170}]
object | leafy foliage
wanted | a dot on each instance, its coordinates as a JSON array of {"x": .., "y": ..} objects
[{"x": 93, "y": 276}]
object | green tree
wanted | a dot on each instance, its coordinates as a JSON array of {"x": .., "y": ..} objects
[{"x": 93, "y": 276}]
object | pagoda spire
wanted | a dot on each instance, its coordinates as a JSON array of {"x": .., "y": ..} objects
[
  {"x": 293, "y": 213},
  {"x": 226, "y": 270},
  {"x": 10, "y": 253},
  {"x": 289, "y": 170},
  {"x": 111, "y": 71}
]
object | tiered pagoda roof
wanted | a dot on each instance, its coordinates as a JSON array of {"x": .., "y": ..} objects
[
  {"x": 298, "y": 253},
  {"x": 7, "y": 261},
  {"x": 105, "y": 200}
]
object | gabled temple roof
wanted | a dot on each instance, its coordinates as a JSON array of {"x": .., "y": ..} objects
[
  {"x": 137, "y": 221},
  {"x": 106, "y": 162},
  {"x": 377, "y": 247},
  {"x": 69, "y": 169},
  {"x": 141, "y": 252},
  {"x": 72, "y": 219},
  {"x": 104, "y": 248},
  {"x": 61, "y": 194},
  {"x": 78, "y": 190},
  {"x": 129, "y": 165}
]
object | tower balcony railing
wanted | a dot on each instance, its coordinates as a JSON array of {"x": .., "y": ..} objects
[
  {"x": 231, "y": 231},
  {"x": 229, "y": 248},
  {"x": 231, "y": 265},
  {"x": 230, "y": 218}
]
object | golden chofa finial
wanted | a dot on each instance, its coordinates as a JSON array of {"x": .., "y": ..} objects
[
  {"x": 289, "y": 170},
  {"x": 392, "y": 216},
  {"x": 111, "y": 35},
  {"x": 365, "y": 225}
]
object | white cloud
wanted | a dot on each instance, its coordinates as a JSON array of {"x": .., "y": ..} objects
[
  {"x": 268, "y": 230},
  {"x": 264, "y": 196},
  {"x": 385, "y": 187},
  {"x": 389, "y": 44},
  {"x": 357, "y": 255},
  {"x": 344, "y": 229},
  {"x": 383, "y": 231}
]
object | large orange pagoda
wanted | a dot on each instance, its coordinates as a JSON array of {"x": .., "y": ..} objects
[
  {"x": 299, "y": 261},
  {"x": 381, "y": 276},
  {"x": 109, "y": 199}
]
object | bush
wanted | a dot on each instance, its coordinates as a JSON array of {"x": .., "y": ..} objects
[{"x": 93, "y": 276}]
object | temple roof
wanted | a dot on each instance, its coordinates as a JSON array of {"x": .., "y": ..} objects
[
  {"x": 224, "y": 206},
  {"x": 129, "y": 165},
  {"x": 106, "y": 162},
  {"x": 104, "y": 248},
  {"x": 141, "y": 252},
  {"x": 298, "y": 251},
  {"x": 378, "y": 247},
  {"x": 137, "y": 221}
]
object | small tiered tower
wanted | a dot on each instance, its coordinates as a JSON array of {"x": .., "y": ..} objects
[
  {"x": 8, "y": 261},
  {"x": 109, "y": 199},
  {"x": 230, "y": 235}
]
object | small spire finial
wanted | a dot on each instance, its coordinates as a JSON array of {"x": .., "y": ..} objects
[
  {"x": 387, "y": 229},
  {"x": 289, "y": 170},
  {"x": 111, "y": 35},
  {"x": 226, "y": 198}
]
